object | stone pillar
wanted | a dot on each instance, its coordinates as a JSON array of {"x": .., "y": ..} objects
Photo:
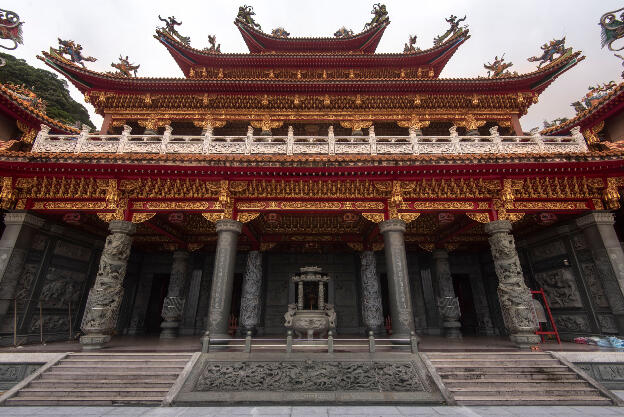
[
  {"x": 372, "y": 309},
  {"x": 398, "y": 283},
  {"x": 608, "y": 256},
  {"x": 448, "y": 305},
  {"x": 20, "y": 228},
  {"x": 514, "y": 296},
  {"x": 228, "y": 231},
  {"x": 251, "y": 292},
  {"x": 173, "y": 306},
  {"x": 102, "y": 308}
]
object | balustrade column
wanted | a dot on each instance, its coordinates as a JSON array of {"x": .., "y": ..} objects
[
  {"x": 398, "y": 283},
  {"x": 173, "y": 306},
  {"x": 372, "y": 308},
  {"x": 448, "y": 304},
  {"x": 513, "y": 294},
  {"x": 251, "y": 292},
  {"x": 228, "y": 231},
  {"x": 100, "y": 315}
]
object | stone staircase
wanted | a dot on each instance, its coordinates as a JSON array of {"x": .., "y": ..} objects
[
  {"x": 513, "y": 378},
  {"x": 104, "y": 379}
]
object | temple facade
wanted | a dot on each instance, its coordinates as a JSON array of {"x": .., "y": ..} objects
[{"x": 420, "y": 201}]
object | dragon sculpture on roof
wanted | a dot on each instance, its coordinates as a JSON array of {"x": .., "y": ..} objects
[
  {"x": 498, "y": 68},
  {"x": 612, "y": 29},
  {"x": 214, "y": 47},
  {"x": 245, "y": 14},
  {"x": 380, "y": 14},
  {"x": 343, "y": 32},
  {"x": 454, "y": 22},
  {"x": 594, "y": 94},
  {"x": 280, "y": 32},
  {"x": 410, "y": 47},
  {"x": 10, "y": 28},
  {"x": 170, "y": 27},
  {"x": 125, "y": 68},
  {"x": 549, "y": 49},
  {"x": 74, "y": 50}
]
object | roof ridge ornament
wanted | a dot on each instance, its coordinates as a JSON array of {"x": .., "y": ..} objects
[
  {"x": 593, "y": 96},
  {"x": 170, "y": 24},
  {"x": 245, "y": 14},
  {"x": 125, "y": 68},
  {"x": 280, "y": 32},
  {"x": 343, "y": 32},
  {"x": 612, "y": 29},
  {"x": 10, "y": 28},
  {"x": 214, "y": 47},
  {"x": 411, "y": 47},
  {"x": 498, "y": 68},
  {"x": 454, "y": 22},
  {"x": 556, "y": 46},
  {"x": 380, "y": 15},
  {"x": 74, "y": 50}
]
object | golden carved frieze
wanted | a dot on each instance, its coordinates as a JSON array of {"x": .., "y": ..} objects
[
  {"x": 107, "y": 217},
  {"x": 479, "y": 217},
  {"x": 8, "y": 195},
  {"x": 174, "y": 205},
  {"x": 408, "y": 217},
  {"x": 356, "y": 246},
  {"x": 213, "y": 217},
  {"x": 247, "y": 217},
  {"x": 550, "y": 205},
  {"x": 441, "y": 205},
  {"x": 141, "y": 217},
  {"x": 69, "y": 205},
  {"x": 374, "y": 217}
]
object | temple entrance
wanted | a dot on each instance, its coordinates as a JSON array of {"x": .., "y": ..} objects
[
  {"x": 468, "y": 318},
  {"x": 385, "y": 300},
  {"x": 153, "y": 318}
]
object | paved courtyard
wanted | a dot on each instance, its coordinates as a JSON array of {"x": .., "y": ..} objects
[{"x": 354, "y": 411}]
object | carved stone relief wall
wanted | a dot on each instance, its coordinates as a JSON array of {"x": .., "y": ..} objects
[
  {"x": 609, "y": 374},
  {"x": 12, "y": 373},
  {"x": 560, "y": 288}
]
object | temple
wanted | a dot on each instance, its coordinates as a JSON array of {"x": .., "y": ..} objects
[{"x": 311, "y": 181}]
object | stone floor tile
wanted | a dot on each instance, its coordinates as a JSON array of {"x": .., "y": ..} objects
[
  {"x": 128, "y": 411},
  {"x": 487, "y": 411},
  {"x": 599, "y": 411},
  {"x": 165, "y": 412},
  {"x": 454, "y": 411},
  {"x": 313, "y": 411},
  {"x": 271, "y": 411},
  {"x": 364, "y": 410},
  {"x": 417, "y": 411}
]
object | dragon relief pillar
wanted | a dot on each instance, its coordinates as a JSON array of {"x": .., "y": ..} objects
[
  {"x": 250, "y": 299},
  {"x": 102, "y": 308},
  {"x": 228, "y": 231},
  {"x": 173, "y": 306},
  {"x": 372, "y": 309},
  {"x": 398, "y": 283},
  {"x": 447, "y": 302},
  {"x": 513, "y": 294}
]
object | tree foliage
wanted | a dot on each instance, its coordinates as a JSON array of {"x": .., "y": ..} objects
[{"x": 48, "y": 86}]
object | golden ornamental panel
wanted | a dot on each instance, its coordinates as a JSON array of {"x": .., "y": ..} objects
[
  {"x": 479, "y": 217},
  {"x": 247, "y": 217},
  {"x": 374, "y": 217},
  {"x": 441, "y": 205},
  {"x": 550, "y": 205},
  {"x": 69, "y": 205},
  {"x": 141, "y": 217},
  {"x": 213, "y": 217},
  {"x": 408, "y": 217},
  {"x": 174, "y": 205}
]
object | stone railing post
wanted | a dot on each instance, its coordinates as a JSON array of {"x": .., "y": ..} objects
[
  {"x": 41, "y": 138},
  {"x": 496, "y": 139},
  {"x": 579, "y": 138},
  {"x": 248, "y": 140},
  {"x": 398, "y": 283},
  {"x": 448, "y": 304},
  {"x": 514, "y": 296},
  {"x": 331, "y": 141},
  {"x": 173, "y": 306},
  {"x": 372, "y": 310},
  {"x": 251, "y": 292},
  {"x": 372, "y": 140},
  {"x": 100, "y": 314},
  {"x": 82, "y": 138},
  {"x": 166, "y": 138},
  {"x": 124, "y": 139},
  {"x": 536, "y": 137},
  {"x": 290, "y": 141},
  {"x": 207, "y": 139},
  {"x": 414, "y": 140}
]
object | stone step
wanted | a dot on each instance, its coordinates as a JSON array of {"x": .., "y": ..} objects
[
  {"x": 164, "y": 384},
  {"x": 124, "y": 362},
  {"x": 119, "y": 356},
  {"x": 495, "y": 369},
  {"x": 531, "y": 400},
  {"x": 527, "y": 390},
  {"x": 493, "y": 384},
  {"x": 467, "y": 376},
  {"x": 93, "y": 392},
  {"x": 87, "y": 401},
  {"x": 105, "y": 367},
  {"x": 495, "y": 362},
  {"x": 94, "y": 376}
]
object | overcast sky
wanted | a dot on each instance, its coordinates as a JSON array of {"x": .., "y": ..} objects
[{"x": 107, "y": 28}]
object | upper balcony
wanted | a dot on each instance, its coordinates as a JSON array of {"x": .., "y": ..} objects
[{"x": 414, "y": 144}]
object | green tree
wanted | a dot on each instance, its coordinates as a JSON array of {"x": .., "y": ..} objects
[{"x": 48, "y": 86}]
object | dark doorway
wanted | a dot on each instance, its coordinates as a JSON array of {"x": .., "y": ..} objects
[
  {"x": 463, "y": 291},
  {"x": 236, "y": 296},
  {"x": 385, "y": 298},
  {"x": 153, "y": 317}
]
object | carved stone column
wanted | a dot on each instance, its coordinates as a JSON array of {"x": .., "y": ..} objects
[
  {"x": 398, "y": 283},
  {"x": 250, "y": 299},
  {"x": 372, "y": 309},
  {"x": 447, "y": 302},
  {"x": 608, "y": 257},
  {"x": 513, "y": 295},
  {"x": 223, "y": 278},
  {"x": 20, "y": 228},
  {"x": 102, "y": 308},
  {"x": 173, "y": 306}
]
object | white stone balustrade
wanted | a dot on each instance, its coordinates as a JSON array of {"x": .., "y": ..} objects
[{"x": 169, "y": 143}]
